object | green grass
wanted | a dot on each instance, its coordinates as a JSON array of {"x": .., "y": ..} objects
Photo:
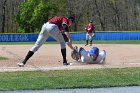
[
  {"x": 3, "y": 58},
  {"x": 80, "y": 42},
  {"x": 70, "y": 78},
  {"x": 93, "y": 78},
  {"x": 111, "y": 42}
]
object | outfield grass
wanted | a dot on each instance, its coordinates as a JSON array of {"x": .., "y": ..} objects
[
  {"x": 93, "y": 78},
  {"x": 81, "y": 42},
  {"x": 111, "y": 42}
]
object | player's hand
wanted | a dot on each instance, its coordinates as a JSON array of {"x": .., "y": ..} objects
[{"x": 70, "y": 43}]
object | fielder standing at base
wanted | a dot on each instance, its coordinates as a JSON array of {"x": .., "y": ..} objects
[
  {"x": 90, "y": 29},
  {"x": 58, "y": 28}
]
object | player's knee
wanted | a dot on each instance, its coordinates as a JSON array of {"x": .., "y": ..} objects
[{"x": 35, "y": 48}]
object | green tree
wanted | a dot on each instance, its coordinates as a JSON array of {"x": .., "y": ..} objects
[{"x": 34, "y": 13}]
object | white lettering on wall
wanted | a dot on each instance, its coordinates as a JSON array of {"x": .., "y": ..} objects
[{"x": 14, "y": 37}]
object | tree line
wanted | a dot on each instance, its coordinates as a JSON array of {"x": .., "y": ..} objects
[{"x": 27, "y": 16}]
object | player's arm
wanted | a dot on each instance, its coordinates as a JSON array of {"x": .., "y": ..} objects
[
  {"x": 68, "y": 40},
  {"x": 86, "y": 28},
  {"x": 93, "y": 31}
]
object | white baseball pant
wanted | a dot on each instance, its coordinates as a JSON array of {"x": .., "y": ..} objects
[
  {"x": 89, "y": 36},
  {"x": 48, "y": 29}
]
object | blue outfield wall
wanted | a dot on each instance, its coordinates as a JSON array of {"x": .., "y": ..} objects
[{"x": 74, "y": 36}]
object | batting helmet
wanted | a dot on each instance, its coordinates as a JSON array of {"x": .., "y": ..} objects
[{"x": 94, "y": 51}]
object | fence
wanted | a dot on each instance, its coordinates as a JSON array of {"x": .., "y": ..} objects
[{"x": 74, "y": 36}]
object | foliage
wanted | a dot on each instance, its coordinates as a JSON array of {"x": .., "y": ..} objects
[
  {"x": 112, "y": 15},
  {"x": 111, "y": 2},
  {"x": 34, "y": 13}
]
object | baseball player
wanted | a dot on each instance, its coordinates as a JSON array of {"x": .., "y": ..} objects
[
  {"x": 90, "y": 32},
  {"x": 91, "y": 57},
  {"x": 56, "y": 27}
]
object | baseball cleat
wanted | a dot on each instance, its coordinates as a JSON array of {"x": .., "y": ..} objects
[
  {"x": 20, "y": 64},
  {"x": 65, "y": 64}
]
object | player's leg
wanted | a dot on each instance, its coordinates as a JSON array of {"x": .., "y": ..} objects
[
  {"x": 40, "y": 40},
  {"x": 55, "y": 33},
  {"x": 87, "y": 38},
  {"x": 90, "y": 38},
  {"x": 104, "y": 56},
  {"x": 90, "y": 42},
  {"x": 101, "y": 57},
  {"x": 69, "y": 44}
]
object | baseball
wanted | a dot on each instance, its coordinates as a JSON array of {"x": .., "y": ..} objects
[{"x": 70, "y": 63}]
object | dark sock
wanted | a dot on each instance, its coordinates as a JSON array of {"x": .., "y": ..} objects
[
  {"x": 91, "y": 42},
  {"x": 63, "y": 52},
  {"x": 86, "y": 42},
  {"x": 30, "y": 53}
]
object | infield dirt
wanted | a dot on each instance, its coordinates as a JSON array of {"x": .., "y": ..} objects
[{"x": 48, "y": 57}]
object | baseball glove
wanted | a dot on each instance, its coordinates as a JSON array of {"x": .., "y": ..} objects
[{"x": 75, "y": 54}]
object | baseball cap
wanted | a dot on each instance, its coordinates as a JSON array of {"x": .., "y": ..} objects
[
  {"x": 90, "y": 21},
  {"x": 71, "y": 18}
]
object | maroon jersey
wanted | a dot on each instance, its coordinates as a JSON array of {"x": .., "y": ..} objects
[
  {"x": 59, "y": 21},
  {"x": 89, "y": 28}
]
